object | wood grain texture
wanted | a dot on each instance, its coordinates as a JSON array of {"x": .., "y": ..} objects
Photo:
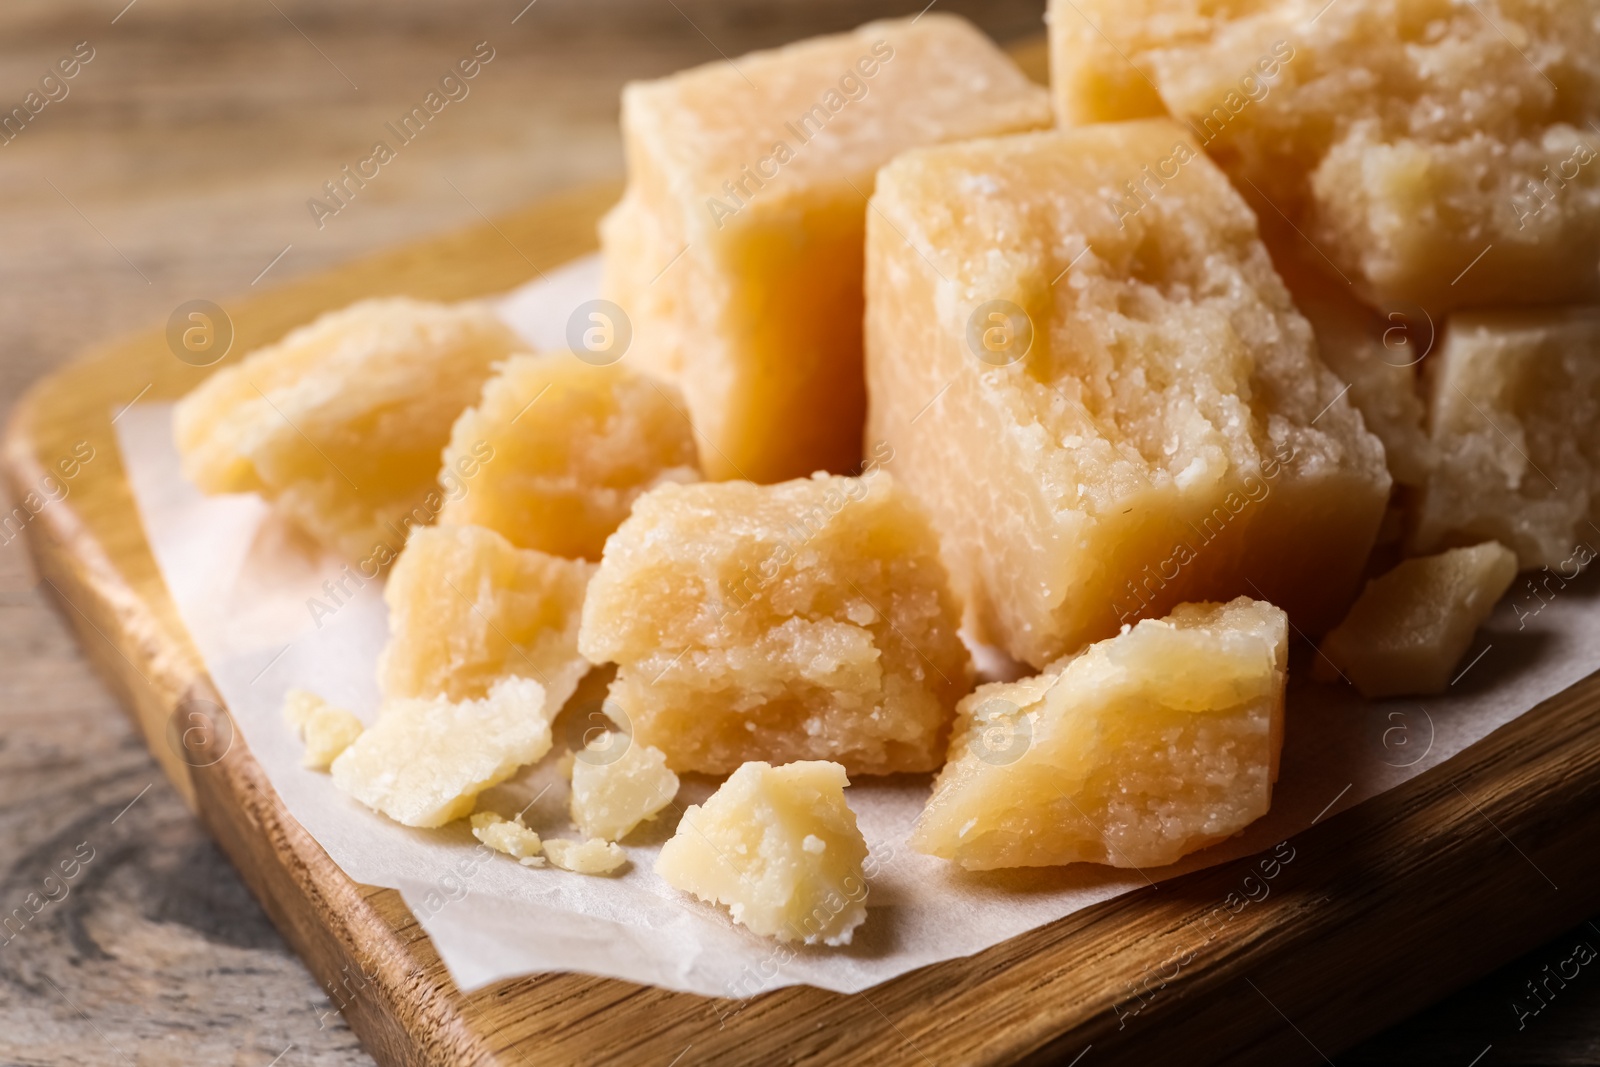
[{"x": 156, "y": 956}]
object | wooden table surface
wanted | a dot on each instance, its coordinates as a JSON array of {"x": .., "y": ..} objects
[{"x": 178, "y": 167}]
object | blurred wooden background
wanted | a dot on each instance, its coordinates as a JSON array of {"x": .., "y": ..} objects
[{"x": 177, "y": 167}]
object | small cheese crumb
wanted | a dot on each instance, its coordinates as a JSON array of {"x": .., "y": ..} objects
[
  {"x": 593, "y": 856},
  {"x": 326, "y": 730},
  {"x": 509, "y": 836},
  {"x": 610, "y": 798},
  {"x": 779, "y": 847},
  {"x": 424, "y": 762}
]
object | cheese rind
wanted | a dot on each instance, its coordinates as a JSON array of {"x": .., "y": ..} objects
[
  {"x": 612, "y": 794},
  {"x": 1142, "y": 749},
  {"x": 1514, "y": 397},
  {"x": 424, "y": 762},
  {"x": 1410, "y": 627},
  {"x": 736, "y": 251},
  {"x": 467, "y": 608},
  {"x": 1437, "y": 153},
  {"x": 808, "y": 619},
  {"x": 340, "y": 423},
  {"x": 779, "y": 847},
  {"x": 571, "y": 446},
  {"x": 1167, "y": 434}
]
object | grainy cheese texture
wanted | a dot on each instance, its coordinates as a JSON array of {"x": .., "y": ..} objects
[
  {"x": 1404, "y": 138},
  {"x": 1514, "y": 402},
  {"x": 1410, "y": 627},
  {"x": 806, "y": 620},
  {"x": 779, "y": 847},
  {"x": 736, "y": 251},
  {"x": 341, "y": 423},
  {"x": 1144, "y": 748},
  {"x": 571, "y": 446},
  {"x": 467, "y": 608},
  {"x": 424, "y": 762},
  {"x": 1149, "y": 422},
  {"x": 1379, "y": 356}
]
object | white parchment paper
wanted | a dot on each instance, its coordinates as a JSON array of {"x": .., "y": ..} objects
[{"x": 243, "y": 582}]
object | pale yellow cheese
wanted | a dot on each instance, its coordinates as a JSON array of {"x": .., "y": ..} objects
[
  {"x": 340, "y": 424},
  {"x": 1153, "y": 424},
  {"x": 1514, "y": 399},
  {"x": 325, "y": 729},
  {"x": 613, "y": 792},
  {"x": 510, "y": 836},
  {"x": 571, "y": 445},
  {"x": 467, "y": 608},
  {"x": 1142, "y": 749},
  {"x": 1379, "y": 355},
  {"x": 806, "y": 620},
  {"x": 737, "y": 251},
  {"x": 1404, "y": 139},
  {"x": 1409, "y": 629},
  {"x": 424, "y": 762},
  {"x": 779, "y": 847},
  {"x": 588, "y": 857}
]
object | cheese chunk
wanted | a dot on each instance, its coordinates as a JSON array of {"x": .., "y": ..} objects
[
  {"x": 340, "y": 424},
  {"x": 1106, "y": 413},
  {"x": 1379, "y": 356},
  {"x": 571, "y": 445},
  {"x": 613, "y": 793},
  {"x": 737, "y": 249},
  {"x": 779, "y": 847},
  {"x": 808, "y": 619},
  {"x": 1515, "y": 399},
  {"x": 467, "y": 608},
  {"x": 1140, "y": 750},
  {"x": 589, "y": 857},
  {"x": 1409, "y": 629},
  {"x": 424, "y": 762},
  {"x": 510, "y": 836},
  {"x": 1403, "y": 138},
  {"x": 325, "y": 729}
]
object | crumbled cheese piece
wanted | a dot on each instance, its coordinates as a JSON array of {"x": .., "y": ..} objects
[
  {"x": 424, "y": 762},
  {"x": 780, "y": 848},
  {"x": 612, "y": 796},
  {"x": 593, "y": 856},
  {"x": 326, "y": 730},
  {"x": 510, "y": 836}
]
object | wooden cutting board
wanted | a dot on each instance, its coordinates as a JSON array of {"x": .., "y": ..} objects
[{"x": 1380, "y": 911}]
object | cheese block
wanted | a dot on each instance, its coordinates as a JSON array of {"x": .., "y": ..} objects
[
  {"x": 424, "y": 762},
  {"x": 1438, "y": 153},
  {"x": 555, "y": 452},
  {"x": 467, "y": 608},
  {"x": 1410, "y": 627},
  {"x": 810, "y": 619},
  {"x": 736, "y": 252},
  {"x": 1379, "y": 355},
  {"x": 779, "y": 847},
  {"x": 1107, "y": 411},
  {"x": 341, "y": 423},
  {"x": 1514, "y": 399},
  {"x": 1141, "y": 749}
]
